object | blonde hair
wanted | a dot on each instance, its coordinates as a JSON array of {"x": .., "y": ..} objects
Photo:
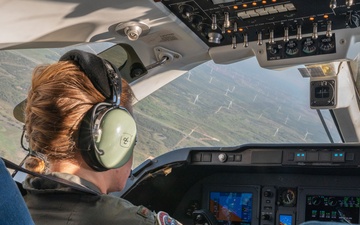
[{"x": 59, "y": 97}]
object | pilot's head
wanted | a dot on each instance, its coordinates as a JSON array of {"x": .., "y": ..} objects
[{"x": 77, "y": 118}]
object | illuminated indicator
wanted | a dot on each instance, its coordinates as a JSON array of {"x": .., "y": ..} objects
[
  {"x": 235, "y": 7},
  {"x": 326, "y": 16},
  {"x": 263, "y": 2},
  {"x": 245, "y": 5},
  {"x": 228, "y": 31},
  {"x": 302, "y": 154},
  {"x": 311, "y": 18},
  {"x": 340, "y": 154},
  {"x": 241, "y": 29},
  {"x": 254, "y": 3},
  {"x": 298, "y": 154},
  {"x": 313, "y": 213},
  {"x": 336, "y": 155},
  {"x": 273, "y": 0}
]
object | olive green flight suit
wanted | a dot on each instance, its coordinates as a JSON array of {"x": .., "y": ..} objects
[{"x": 57, "y": 204}]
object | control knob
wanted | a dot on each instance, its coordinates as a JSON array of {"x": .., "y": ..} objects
[
  {"x": 195, "y": 20},
  {"x": 309, "y": 46},
  {"x": 265, "y": 217},
  {"x": 222, "y": 157},
  {"x": 268, "y": 194},
  {"x": 327, "y": 44},
  {"x": 291, "y": 48},
  {"x": 186, "y": 10}
]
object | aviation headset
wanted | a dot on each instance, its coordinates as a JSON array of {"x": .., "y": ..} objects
[{"x": 107, "y": 133}]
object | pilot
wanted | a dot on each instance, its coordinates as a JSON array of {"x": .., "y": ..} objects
[{"x": 81, "y": 135}]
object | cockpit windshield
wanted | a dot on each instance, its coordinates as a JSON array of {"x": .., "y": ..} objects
[
  {"x": 209, "y": 105},
  {"x": 229, "y": 105}
]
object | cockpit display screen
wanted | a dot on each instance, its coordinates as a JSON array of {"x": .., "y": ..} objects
[
  {"x": 234, "y": 207},
  {"x": 332, "y": 208}
]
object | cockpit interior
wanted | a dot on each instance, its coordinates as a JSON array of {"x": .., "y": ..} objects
[{"x": 263, "y": 167}]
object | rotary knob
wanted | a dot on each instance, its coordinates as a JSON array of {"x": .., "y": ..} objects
[
  {"x": 265, "y": 217},
  {"x": 222, "y": 157}
]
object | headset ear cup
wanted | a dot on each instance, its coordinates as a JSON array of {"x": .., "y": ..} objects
[
  {"x": 85, "y": 141},
  {"x": 107, "y": 137},
  {"x": 117, "y": 138}
]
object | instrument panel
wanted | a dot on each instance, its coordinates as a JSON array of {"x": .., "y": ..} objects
[
  {"x": 280, "y": 33},
  {"x": 229, "y": 22},
  {"x": 251, "y": 204},
  {"x": 254, "y": 184}
]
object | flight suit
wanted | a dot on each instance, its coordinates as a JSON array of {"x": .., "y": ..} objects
[{"x": 53, "y": 203}]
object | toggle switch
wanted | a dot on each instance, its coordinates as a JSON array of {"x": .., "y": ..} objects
[
  {"x": 315, "y": 31},
  {"x": 226, "y": 20},
  {"x": 214, "y": 23},
  {"x": 333, "y": 4},
  {"x": 298, "y": 32},
  {"x": 286, "y": 34},
  {"x": 271, "y": 38},
  {"x": 246, "y": 40},
  {"x": 349, "y": 3},
  {"x": 233, "y": 42},
  {"x": 235, "y": 27},
  {"x": 328, "y": 29},
  {"x": 260, "y": 39}
]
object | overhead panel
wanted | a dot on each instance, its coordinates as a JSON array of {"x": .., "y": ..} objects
[{"x": 288, "y": 29}]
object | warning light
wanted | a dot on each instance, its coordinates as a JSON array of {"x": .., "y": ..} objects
[
  {"x": 273, "y": 0},
  {"x": 263, "y": 2},
  {"x": 245, "y": 5},
  {"x": 235, "y": 7},
  {"x": 326, "y": 16},
  {"x": 312, "y": 18},
  {"x": 228, "y": 31},
  {"x": 254, "y": 3},
  {"x": 241, "y": 29}
]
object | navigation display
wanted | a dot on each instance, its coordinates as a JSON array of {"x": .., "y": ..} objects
[
  {"x": 332, "y": 208},
  {"x": 285, "y": 219},
  {"x": 234, "y": 208}
]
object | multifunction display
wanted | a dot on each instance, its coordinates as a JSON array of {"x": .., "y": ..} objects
[
  {"x": 232, "y": 207},
  {"x": 332, "y": 208}
]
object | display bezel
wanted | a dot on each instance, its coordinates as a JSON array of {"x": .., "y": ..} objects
[
  {"x": 253, "y": 189},
  {"x": 303, "y": 192}
]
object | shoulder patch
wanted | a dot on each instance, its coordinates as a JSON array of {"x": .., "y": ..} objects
[
  {"x": 143, "y": 211},
  {"x": 163, "y": 218}
]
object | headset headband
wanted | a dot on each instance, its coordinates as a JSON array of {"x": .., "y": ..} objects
[{"x": 103, "y": 75}]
